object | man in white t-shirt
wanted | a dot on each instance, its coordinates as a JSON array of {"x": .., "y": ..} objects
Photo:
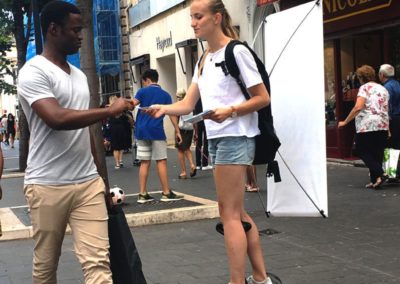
[{"x": 62, "y": 185}]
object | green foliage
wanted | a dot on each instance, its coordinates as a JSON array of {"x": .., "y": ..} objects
[{"x": 6, "y": 42}]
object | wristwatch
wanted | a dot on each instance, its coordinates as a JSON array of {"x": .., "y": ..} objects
[{"x": 234, "y": 113}]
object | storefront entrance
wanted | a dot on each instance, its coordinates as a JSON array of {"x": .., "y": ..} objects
[
  {"x": 342, "y": 57},
  {"x": 356, "y": 33}
]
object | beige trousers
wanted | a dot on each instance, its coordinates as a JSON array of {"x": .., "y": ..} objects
[{"x": 82, "y": 206}]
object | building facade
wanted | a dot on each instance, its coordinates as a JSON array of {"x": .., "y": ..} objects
[{"x": 356, "y": 32}]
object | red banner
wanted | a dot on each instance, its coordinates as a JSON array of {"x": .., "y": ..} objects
[{"x": 264, "y": 2}]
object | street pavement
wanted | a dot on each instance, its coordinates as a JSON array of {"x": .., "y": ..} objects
[{"x": 358, "y": 243}]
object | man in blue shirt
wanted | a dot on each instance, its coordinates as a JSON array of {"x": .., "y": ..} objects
[
  {"x": 151, "y": 138},
  {"x": 386, "y": 76}
]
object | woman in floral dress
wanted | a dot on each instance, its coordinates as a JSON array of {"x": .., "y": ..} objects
[{"x": 372, "y": 124}]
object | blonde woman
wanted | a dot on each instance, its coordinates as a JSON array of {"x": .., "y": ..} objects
[{"x": 231, "y": 129}]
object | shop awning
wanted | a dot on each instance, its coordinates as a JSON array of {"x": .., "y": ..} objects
[
  {"x": 188, "y": 42},
  {"x": 185, "y": 43},
  {"x": 142, "y": 59}
]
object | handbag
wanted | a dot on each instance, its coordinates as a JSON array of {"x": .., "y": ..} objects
[
  {"x": 126, "y": 266},
  {"x": 390, "y": 162}
]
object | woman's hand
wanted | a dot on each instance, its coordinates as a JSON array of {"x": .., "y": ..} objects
[
  {"x": 178, "y": 138},
  {"x": 220, "y": 114},
  {"x": 341, "y": 124},
  {"x": 155, "y": 111}
]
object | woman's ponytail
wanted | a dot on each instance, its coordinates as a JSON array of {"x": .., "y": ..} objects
[{"x": 217, "y": 6}]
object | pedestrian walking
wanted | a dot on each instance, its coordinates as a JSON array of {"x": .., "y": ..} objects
[
  {"x": 151, "y": 138},
  {"x": 119, "y": 136},
  {"x": 386, "y": 76},
  {"x": 201, "y": 142},
  {"x": 184, "y": 141},
  {"x": 372, "y": 124},
  {"x": 231, "y": 130},
  {"x": 62, "y": 185},
  {"x": 11, "y": 129},
  {"x": 4, "y": 120}
]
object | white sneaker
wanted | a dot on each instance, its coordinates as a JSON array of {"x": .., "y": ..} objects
[
  {"x": 209, "y": 167},
  {"x": 250, "y": 280}
]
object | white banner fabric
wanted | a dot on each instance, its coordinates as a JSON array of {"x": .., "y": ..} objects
[{"x": 298, "y": 107}]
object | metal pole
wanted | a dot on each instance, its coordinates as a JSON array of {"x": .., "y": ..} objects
[{"x": 38, "y": 35}]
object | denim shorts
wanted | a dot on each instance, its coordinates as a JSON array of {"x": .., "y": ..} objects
[{"x": 232, "y": 150}]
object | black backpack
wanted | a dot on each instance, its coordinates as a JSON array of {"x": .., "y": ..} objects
[{"x": 267, "y": 143}]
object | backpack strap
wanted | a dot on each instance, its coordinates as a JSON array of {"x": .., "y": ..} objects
[
  {"x": 234, "y": 71},
  {"x": 232, "y": 66}
]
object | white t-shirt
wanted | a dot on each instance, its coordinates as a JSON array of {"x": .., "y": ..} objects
[
  {"x": 4, "y": 123},
  {"x": 55, "y": 157},
  {"x": 218, "y": 90}
]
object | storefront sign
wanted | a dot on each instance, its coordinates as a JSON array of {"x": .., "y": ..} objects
[
  {"x": 264, "y": 2},
  {"x": 335, "y": 10},
  {"x": 163, "y": 43}
]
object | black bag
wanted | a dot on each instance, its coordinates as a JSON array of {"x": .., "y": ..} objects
[
  {"x": 267, "y": 143},
  {"x": 126, "y": 266}
]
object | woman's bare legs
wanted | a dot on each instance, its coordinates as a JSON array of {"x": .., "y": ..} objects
[
  {"x": 116, "y": 157},
  {"x": 254, "y": 250},
  {"x": 229, "y": 180},
  {"x": 251, "y": 178},
  {"x": 12, "y": 140},
  {"x": 182, "y": 164},
  {"x": 189, "y": 157}
]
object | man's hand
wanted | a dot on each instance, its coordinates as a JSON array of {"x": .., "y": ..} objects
[{"x": 121, "y": 105}]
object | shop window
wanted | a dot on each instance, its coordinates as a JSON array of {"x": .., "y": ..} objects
[
  {"x": 330, "y": 100},
  {"x": 358, "y": 50},
  {"x": 109, "y": 86}
]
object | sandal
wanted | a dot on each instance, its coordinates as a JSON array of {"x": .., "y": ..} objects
[
  {"x": 249, "y": 188},
  {"x": 182, "y": 176},
  {"x": 369, "y": 185},
  {"x": 380, "y": 181},
  {"x": 193, "y": 172}
]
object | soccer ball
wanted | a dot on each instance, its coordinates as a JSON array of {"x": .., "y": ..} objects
[{"x": 118, "y": 195}]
